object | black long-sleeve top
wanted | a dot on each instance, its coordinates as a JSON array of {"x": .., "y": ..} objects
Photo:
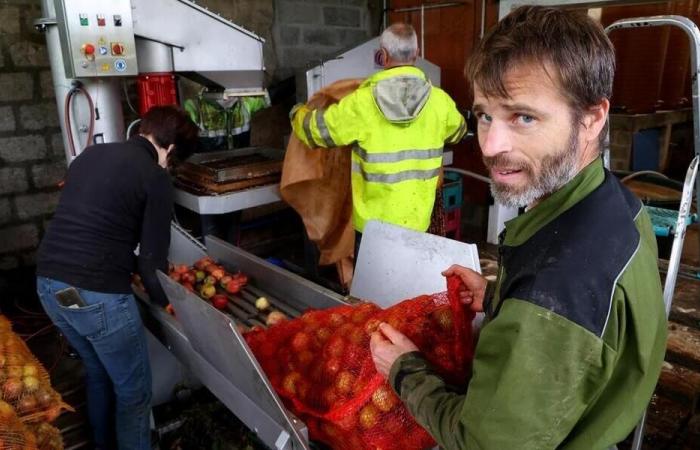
[{"x": 116, "y": 197}]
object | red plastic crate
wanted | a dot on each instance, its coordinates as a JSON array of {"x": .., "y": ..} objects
[
  {"x": 156, "y": 89},
  {"x": 453, "y": 223}
]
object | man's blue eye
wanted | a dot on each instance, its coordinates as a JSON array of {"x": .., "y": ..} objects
[
  {"x": 526, "y": 119},
  {"x": 483, "y": 117}
]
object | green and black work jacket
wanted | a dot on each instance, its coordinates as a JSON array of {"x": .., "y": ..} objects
[{"x": 574, "y": 335}]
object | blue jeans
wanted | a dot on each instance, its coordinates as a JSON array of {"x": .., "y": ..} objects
[{"x": 110, "y": 338}]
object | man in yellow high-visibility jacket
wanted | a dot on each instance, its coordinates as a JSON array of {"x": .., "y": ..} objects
[{"x": 397, "y": 123}]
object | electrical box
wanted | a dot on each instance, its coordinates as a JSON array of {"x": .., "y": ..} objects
[{"x": 97, "y": 38}]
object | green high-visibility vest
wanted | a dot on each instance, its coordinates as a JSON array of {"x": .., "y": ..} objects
[{"x": 397, "y": 124}]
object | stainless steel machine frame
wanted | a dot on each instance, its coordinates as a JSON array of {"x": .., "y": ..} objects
[{"x": 170, "y": 36}]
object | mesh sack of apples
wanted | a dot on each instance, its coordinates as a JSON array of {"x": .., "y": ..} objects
[
  {"x": 209, "y": 280},
  {"x": 320, "y": 365},
  {"x": 47, "y": 436},
  {"x": 13, "y": 433},
  {"x": 24, "y": 383}
]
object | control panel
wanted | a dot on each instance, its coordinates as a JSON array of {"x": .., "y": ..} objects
[{"x": 97, "y": 38}]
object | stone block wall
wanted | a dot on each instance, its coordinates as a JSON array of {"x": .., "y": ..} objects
[
  {"x": 307, "y": 31},
  {"x": 32, "y": 160}
]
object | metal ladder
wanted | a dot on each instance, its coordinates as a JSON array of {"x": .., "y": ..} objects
[{"x": 663, "y": 220}]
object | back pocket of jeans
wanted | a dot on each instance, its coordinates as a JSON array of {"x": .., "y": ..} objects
[{"x": 88, "y": 321}]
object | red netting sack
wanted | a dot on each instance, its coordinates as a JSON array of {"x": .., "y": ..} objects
[{"x": 320, "y": 365}]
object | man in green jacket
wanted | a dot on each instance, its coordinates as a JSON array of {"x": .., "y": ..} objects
[
  {"x": 397, "y": 123},
  {"x": 575, "y": 330}
]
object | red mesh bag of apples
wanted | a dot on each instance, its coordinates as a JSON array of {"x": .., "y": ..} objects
[{"x": 320, "y": 365}]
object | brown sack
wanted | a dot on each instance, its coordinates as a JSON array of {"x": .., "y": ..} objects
[{"x": 316, "y": 183}]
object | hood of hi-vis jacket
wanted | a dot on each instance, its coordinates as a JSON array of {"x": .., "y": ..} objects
[{"x": 401, "y": 98}]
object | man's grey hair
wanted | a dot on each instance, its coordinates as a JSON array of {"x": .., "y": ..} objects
[{"x": 400, "y": 42}]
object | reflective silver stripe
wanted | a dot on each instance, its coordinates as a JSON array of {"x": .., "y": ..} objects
[
  {"x": 307, "y": 130},
  {"x": 402, "y": 155},
  {"x": 457, "y": 134},
  {"x": 323, "y": 129},
  {"x": 395, "y": 177}
]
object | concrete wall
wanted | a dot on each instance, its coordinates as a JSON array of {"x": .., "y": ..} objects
[{"x": 32, "y": 162}]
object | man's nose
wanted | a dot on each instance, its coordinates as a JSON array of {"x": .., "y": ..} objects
[{"x": 496, "y": 139}]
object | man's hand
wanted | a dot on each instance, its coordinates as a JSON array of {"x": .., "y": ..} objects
[
  {"x": 473, "y": 287},
  {"x": 386, "y": 345}
]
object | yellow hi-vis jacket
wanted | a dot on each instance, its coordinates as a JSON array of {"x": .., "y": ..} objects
[{"x": 397, "y": 123}]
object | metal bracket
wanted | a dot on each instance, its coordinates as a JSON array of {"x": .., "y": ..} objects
[{"x": 42, "y": 23}]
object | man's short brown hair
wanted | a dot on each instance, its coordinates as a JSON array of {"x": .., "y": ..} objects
[
  {"x": 568, "y": 42},
  {"x": 171, "y": 125}
]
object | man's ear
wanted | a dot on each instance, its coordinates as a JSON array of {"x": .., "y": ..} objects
[
  {"x": 380, "y": 57},
  {"x": 594, "y": 120}
]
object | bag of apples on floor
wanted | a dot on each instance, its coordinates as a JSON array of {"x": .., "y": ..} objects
[
  {"x": 320, "y": 364},
  {"x": 24, "y": 383}
]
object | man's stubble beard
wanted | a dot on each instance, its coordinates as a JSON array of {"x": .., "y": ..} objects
[{"x": 555, "y": 171}]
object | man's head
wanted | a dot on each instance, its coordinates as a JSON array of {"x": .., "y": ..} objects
[
  {"x": 171, "y": 131},
  {"x": 542, "y": 79},
  {"x": 398, "y": 45}
]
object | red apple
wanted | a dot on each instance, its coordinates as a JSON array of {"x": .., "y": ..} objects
[
  {"x": 218, "y": 273},
  {"x": 203, "y": 262},
  {"x": 241, "y": 277},
  {"x": 220, "y": 301},
  {"x": 344, "y": 382},
  {"x": 232, "y": 287},
  {"x": 384, "y": 398},
  {"x": 225, "y": 280},
  {"x": 369, "y": 416},
  {"x": 301, "y": 341},
  {"x": 290, "y": 382},
  {"x": 188, "y": 286},
  {"x": 176, "y": 276},
  {"x": 188, "y": 277},
  {"x": 181, "y": 268}
]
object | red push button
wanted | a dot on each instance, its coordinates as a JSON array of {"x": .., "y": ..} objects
[
  {"x": 88, "y": 49},
  {"x": 117, "y": 49}
]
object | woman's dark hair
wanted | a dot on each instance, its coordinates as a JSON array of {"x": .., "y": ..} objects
[{"x": 171, "y": 125}]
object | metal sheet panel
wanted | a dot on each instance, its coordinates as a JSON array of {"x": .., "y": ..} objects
[
  {"x": 234, "y": 201},
  {"x": 203, "y": 41},
  {"x": 214, "y": 336},
  {"x": 99, "y": 24},
  {"x": 395, "y": 263},
  {"x": 270, "y": 428},
  {"x": 356, "y": 63}
]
